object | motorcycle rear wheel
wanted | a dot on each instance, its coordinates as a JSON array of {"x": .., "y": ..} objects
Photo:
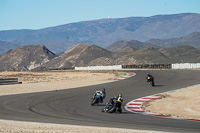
[{"x": 112, "y": 110}]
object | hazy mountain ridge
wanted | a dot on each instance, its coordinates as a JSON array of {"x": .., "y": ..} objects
[
  {"x": 106, "y": 31},
  {"x": 6, "y": 45},
  {"x": 192, "y": 39}
]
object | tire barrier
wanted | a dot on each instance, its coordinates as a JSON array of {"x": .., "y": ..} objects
[
  {"x": 148, "y": 66},
  {"x": 9, "y": 81}
]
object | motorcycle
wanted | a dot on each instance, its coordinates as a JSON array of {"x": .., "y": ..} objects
[
  {"x": 151, "y": 82},
  {"x": 112, "y": 106},
  {"x": 96, "y": 99}
]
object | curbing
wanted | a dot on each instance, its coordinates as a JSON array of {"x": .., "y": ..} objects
[
  {"x": 127, "y": 76},
  {"x": 135, "y": 106}
]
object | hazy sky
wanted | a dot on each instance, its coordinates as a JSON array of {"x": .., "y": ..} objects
[{"x": 37, "y": 14}]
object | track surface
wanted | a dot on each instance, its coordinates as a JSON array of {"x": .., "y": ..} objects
[{"x": 72, "y": 106}]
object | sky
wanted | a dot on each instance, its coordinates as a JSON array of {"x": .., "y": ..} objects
[{"x": 38, "y": 14}]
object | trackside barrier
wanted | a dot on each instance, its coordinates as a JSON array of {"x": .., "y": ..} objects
[
  {"x": 99, "y": 67},
  {"x": 186, "y": 66},
  {"x": 144, "y": 66},
  {"x": 8, "y": 81},
  {"x": 147, "y": 66}
]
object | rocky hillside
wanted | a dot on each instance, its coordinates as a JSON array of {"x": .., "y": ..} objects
[
  {"x": 40, "y": 58},
  {"x": 91, "y": 55},
  {"x": 25, "y": 58},
  {"x": 105, "y": 31},
  {"x": 149, "y": 55},
  {"x": 133, "y": 44},
  {"x": 78, "y": 55}
]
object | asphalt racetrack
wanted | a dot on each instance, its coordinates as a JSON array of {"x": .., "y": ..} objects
[{"x": 72, "y": 106}]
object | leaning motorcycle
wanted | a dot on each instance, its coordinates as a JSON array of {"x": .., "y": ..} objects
[
  {"x": 95, "y": 99},
  {"x": 111, "y": 106},
  {"x": 151, "y": 82}
]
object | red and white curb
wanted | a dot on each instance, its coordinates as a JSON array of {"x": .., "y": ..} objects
[
  {"x": 127, "y": 76},
  {"x": 135, "y": 106}
]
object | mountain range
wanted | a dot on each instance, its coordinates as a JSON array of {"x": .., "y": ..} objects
[
  {"x": 92, "y": 55},
  {"x": 192, "y": 39},
  {"x": 39, "y": 57},
  {"x": 103, "y": 32}
]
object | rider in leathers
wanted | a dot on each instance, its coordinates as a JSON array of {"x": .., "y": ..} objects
[
  {"x": 119, "y": 101},
  {"x": 149, "y": 78},
  {"x": 101, "y": 93}
]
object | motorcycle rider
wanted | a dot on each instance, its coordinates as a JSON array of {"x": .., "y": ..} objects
[
  {"x": 103, "y": 93},
  {"x": 150, "y": 78},
  {"x": 100, "y": 94},
  {"x": 118, "y": 103}
]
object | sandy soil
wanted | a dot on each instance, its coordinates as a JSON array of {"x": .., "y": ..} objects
[
  {"x": 182, "y": 103},
  {"x": 31, "y": 127},
  {"x": 54, "y": 80}
]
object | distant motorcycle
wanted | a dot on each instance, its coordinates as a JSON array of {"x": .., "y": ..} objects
[
  {"x": 111, "y": 107},
  {"x": 151, "y": 81}
]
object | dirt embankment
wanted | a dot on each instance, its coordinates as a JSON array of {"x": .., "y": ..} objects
[{"x": 182, "y": 103}]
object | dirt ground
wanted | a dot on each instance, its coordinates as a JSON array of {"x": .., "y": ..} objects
[
  {"x": 184, "y": 103},
  {"x": 54, "y": 80}
]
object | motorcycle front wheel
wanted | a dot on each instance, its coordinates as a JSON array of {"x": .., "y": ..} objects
[{"x": 93, "y": 101}]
